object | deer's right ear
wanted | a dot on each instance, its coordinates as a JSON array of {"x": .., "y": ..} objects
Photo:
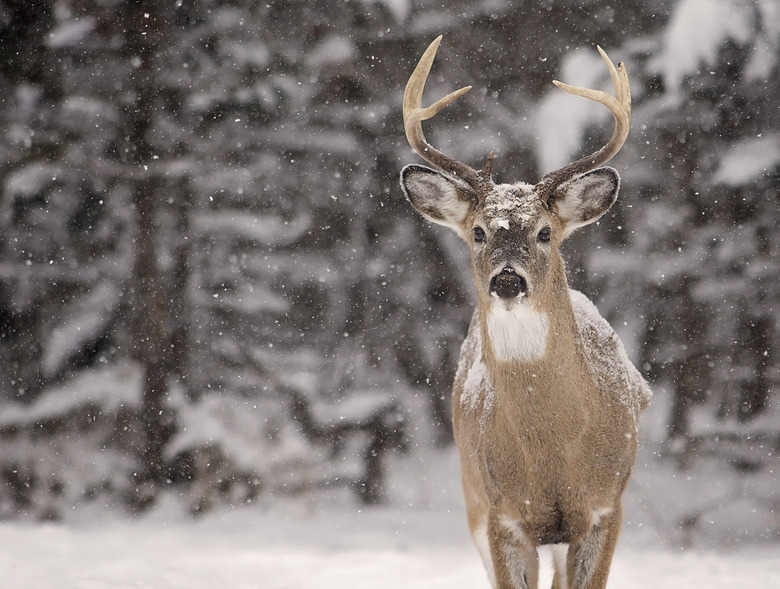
[{"x": 437, "y": 197}]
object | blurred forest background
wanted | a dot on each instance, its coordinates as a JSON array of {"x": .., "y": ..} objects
[{"x": 211, "y": 287}]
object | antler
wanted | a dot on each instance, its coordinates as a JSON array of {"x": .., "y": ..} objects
[
  {"x": 620, "y": 107},
  {"x": 415, "y": 114}
]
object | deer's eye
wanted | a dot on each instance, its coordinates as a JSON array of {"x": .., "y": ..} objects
[
  {"x": 544, "y": 235},
  {"x": 479, "y": 234}
]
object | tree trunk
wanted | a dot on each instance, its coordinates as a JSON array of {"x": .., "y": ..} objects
[{"x": 151, "y": 324}]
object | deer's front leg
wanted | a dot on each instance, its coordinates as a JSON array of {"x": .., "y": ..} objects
[
  {"x": 515, "y": 560},
  {"x": 589, "y": 560}
]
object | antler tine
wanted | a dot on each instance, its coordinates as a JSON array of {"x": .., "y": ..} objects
[
  {"x": 620, "y": 107},
  {"x": 415, "y": 113}
]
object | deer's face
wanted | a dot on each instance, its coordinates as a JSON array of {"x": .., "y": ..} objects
[
  {"x": 510, "y": 235},
  {"x": 513, "y": 235}
]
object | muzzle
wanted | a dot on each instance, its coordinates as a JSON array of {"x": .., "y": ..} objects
[{"x": 508, "y": 284}]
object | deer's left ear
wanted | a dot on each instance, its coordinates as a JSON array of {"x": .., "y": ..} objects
[{"x": 585, "y": 198}]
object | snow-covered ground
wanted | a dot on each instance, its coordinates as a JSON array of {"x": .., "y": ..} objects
[
  {"x": 295, "y": 548},
  {"x": 310, "y": 544},
  {"x": 420, "y": 540}
]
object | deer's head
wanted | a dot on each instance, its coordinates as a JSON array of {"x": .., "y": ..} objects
[{"x": 513, "y": 230}]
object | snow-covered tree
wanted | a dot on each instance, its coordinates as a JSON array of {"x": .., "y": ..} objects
[{"x": 212, "y": 286}]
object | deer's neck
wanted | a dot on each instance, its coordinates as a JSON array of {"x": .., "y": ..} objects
[
  {"x": 517, "y": 334},
  {"x": 535, "y": 342}
]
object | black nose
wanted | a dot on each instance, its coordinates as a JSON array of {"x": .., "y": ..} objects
[{"x": 508, "y": 284}]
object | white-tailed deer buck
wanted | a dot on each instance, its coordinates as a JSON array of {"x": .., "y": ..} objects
[{"x": 545, "y": 401}]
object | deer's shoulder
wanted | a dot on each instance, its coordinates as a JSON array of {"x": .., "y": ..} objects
[{"x": 607, "y": 358}]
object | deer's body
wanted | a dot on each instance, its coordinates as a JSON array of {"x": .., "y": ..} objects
[
  {"x": 545, "y": 402},
  {"x": 539, "y": 462}
]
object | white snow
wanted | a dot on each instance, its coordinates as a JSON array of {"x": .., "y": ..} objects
[
  {"x": 263, "y": 229},
  {"x": 85, "y": 322},
  {"x": 762, "y": 61},
  {"x": 334, "y": 50},
  {"x": 398, "y": 8},
  {"x": 607, "y": 357},
  {"x": 31, "y": 179},
  {"x": 337, "y": 545},
  {"x": 419, "y": 541},
  {"x": 510, "y": 203},
  {"x": 475, "y": 386},
  {"x": 564, "y": 117},
  {"x": 252, "y": 53},
  {"x": 696, "y": 33},
  {"x": 70, "y": 33},
  {"x": 749, "y": 160},
  {"x": 470, "y": 364},
  {"x": 111, "y": 387}
]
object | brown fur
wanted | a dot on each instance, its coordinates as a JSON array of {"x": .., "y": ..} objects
[
  {"x": 547, "y": 444},
  {"x": 545, "y": 402}
]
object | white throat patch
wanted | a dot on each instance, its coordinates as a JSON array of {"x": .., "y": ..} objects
[{"x": 519, "y": 333}]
